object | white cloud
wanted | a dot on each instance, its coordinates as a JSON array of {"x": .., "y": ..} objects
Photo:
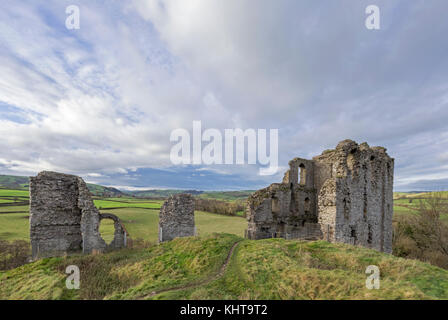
[{"x": 104, "y": 99}]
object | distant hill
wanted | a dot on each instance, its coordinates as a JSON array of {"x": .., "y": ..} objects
[
  {"x": 227, "y": 195},
  {"x": 417, "y": 194},
  {"x": 160, "y": 193},
  {"x": 218, "y": 195},
  {"x": 22, "y": 183},
  {"x": 103, "y": 191},
  {"x": 14, "y": 182}
]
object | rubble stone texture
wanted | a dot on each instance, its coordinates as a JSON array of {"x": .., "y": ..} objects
[
  {"x": 176, "y": 217},
  {"x": 343, "y": 195},
  {"x": 64, "y": 219}
]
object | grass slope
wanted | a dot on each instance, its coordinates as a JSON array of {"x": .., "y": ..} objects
[{"x": 261, "y": 269}]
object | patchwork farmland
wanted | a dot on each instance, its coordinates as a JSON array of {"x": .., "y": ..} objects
[{"x": 139, "y": 215}]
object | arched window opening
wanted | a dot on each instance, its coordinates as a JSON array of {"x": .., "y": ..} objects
[
  {"x": 275, "y": 205},
  {"x": 302, "y": 174},
  {"x": 346, "y": 209}
]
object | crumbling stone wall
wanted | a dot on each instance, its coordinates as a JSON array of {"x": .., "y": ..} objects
[
  {"x": 63, "y": 217},
  {"x": 176, "y": 218},
  {"x": 90, "y": 221},
  {"x": 343, "y": 195},
  {"x": 357, "y": 195},
  {"x": 287, "y": 209}
]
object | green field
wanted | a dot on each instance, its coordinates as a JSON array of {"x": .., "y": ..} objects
[
  {"x": 14, "y": 226},
  {"x": 139, "y": 216},
  {"x": 6, "y": 200},
  {"x": 6, "y": 209},
  {"x": 143, "y": 224},
  {"x": 14, "y": 193},
  {"x": 227, "y": 195},
  {"x": 409, "y": 203},
  {"x": 140, "y": 223},
  {"x": 105, "y": 204}
]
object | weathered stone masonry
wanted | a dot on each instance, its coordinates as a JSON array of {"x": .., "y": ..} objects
[
  {"x": 63, "y": 218},
  {"x": 176, "y": 217},
  {"x": 343, "y": 195}
]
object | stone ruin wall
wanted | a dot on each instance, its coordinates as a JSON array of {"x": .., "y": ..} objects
[
  {"x": 64, "y": 219},
  {"x": 176, "y": 218},
  {"x": 288, "y": 209},
  {"x": 344, "y": 195}
]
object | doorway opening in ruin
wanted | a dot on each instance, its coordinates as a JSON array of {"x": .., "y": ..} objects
[
  {"x": 307, "y": 205},
  {"x": 107, "y": 230},
  {"x": 302, "y": 174},
  {"x": 346, "y": 209},
  {"x": 353, "y": 234}
]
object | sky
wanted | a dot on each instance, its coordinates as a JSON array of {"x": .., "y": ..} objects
[{"x": 101, "y": 101}]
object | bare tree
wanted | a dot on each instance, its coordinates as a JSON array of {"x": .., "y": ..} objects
[{"x": 424, "y": 235}]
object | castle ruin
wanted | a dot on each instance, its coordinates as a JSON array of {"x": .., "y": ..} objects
[
  {"x": 64, "y": 219},
  {"x": 176, "y": 218},
  {"x": 343, "y": 195}
]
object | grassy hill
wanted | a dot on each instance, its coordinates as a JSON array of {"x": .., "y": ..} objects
[
  {"x": 227, "y": 195},
  {"x": 199, "y": 268},
  {"x": 162, "y": 193},
  {"x": 217, "y": 195},
  {"x": 102, "y": 191},
  {"x": 14, "y": 182}
]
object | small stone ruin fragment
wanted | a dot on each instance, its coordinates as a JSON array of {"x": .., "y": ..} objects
[{"x": 176, "y": 217}]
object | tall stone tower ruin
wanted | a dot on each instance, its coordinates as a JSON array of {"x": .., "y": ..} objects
[{"x": 343, "y": 195}]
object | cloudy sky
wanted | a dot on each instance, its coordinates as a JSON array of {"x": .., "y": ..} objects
[{"x": 101, "y": 101}]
